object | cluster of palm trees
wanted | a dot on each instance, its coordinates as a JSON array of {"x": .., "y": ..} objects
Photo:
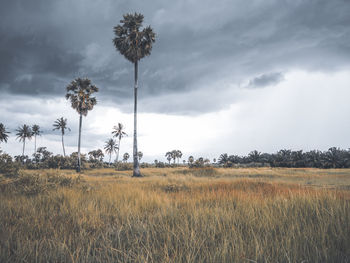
[
  {"x": 173, "y": 155},
  {"x": 25, "y": 133},
  {"x": 113, "y": 146},
  {"x": 333, "y": 158},
  {"x": 134, "y": 43}
]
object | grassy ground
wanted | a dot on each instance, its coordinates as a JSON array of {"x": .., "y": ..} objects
[{"x": 177, "y": 215}]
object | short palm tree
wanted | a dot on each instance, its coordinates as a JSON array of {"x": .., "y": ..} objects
[
  {"x": 118, "y": 131},
  {"x": 79, "y": 92},
  {"x": 36, "y": 132},
  {"x": 96, "y": 155},
  {"x": 134, "y": 44},
  {"x": 140, "y": 155},
  {"x": 174, "y": 155},
  {"x": 3, "y": 133},
  {"x": 110, "y": 147},
  {"x": 190, "y": 160},
  {"x": 24, "y": 132},
  {"x": 126, "y": 157},
  {"x": 169, "y": 156},
  {"x": 61, "y": 124},
  {"x": 178, "y": 155},
  {"x": 254, "y": 156}
]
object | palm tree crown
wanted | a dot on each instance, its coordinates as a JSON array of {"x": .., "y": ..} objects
[
  {"x": 61, "y": 124},
  {"x": 24, "y": 132},
  {"x": 132, "y": 43},
  {"x": 36, "y": 130},
  {"x": 118, "y": 131},
  {"x": 110, "y": 146},
  {"x": 3, "y": 133},
  {"x": 79, "y": 93}
]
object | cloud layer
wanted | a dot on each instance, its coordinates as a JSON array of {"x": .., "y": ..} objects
[{"x": 200, "y": 47}]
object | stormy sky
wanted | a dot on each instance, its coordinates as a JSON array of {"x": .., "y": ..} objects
[{"x": 223, "y": 76}]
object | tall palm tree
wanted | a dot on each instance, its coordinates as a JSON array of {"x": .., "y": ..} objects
[
  {"x": 79, "y": 93},
  {"x": 24, "y": 132},
  {"x": 110, "y": 147},
  {"x": 134, "y": 44},
  {"x": 61, "y": 124},
  {"x": 36, "y": 132},
  {"x": 3, "y": 133},
  {"x": 118, "y": 131}
]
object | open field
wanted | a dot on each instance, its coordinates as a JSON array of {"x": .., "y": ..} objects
[{"x": 176, "y": 215}]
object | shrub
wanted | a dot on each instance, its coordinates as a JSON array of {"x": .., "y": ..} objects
[
  {"x": 124, "y": 166},
  {"x": 33, "y": 184},
  {"x": 160, "y": 164},
  {"x": 200, "y": 172},
  {"x": 7, "y": 167}
]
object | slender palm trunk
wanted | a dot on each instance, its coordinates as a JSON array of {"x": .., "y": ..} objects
[
  {"x": 35, "y": 144},
  {"x": 136, "y": 172},
  {"x": 110, "y": 157},
  {"x": 64, "y": 152},
  {"x": 24, "y": 145},
  {"x": 117, "y": 164},
  {"x": 79, "y": 160},
  {"x": 118, "y": 150}
]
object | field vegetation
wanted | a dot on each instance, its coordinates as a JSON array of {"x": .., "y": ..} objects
[{"x": 176, "y": 215}]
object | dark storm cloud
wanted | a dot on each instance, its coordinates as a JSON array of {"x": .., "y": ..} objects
[
  {"x": 200, "y": 47},
  {"x": 265, "y": 80}
]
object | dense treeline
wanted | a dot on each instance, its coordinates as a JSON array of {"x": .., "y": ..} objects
[
  {"x": 333, "y": 158},
  {"x": 43, "y": 159}
]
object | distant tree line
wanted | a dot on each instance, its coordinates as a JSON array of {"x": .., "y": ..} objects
[
  {"x": 44, "y": 159},
  {"x": 333, "y": 158}
]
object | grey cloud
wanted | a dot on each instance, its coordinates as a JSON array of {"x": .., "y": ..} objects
[
  {"x": 264, "y": 80},
  {"x": 45, "y": 44}
]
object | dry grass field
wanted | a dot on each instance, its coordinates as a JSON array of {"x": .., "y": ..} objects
[{"x": 176, "y": 215}]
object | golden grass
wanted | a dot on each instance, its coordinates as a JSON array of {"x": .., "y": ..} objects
[{"x": 181, "y": 215}]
